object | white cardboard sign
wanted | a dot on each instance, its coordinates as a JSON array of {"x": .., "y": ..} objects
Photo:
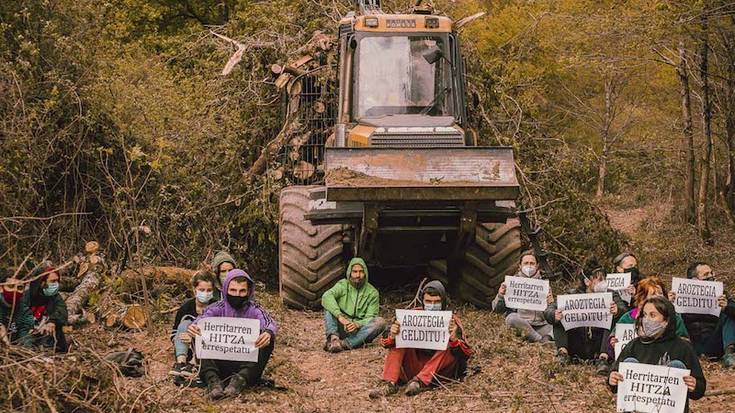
[
  {"x": 585, "y": 310},
  {"x": 619, "y": 282},
  {"x": 423, "y": 329},
  {"x": 648, "y": 388},
  {"x": 227, "y": 338},
  {"x": 526, "y": 293},
  {"x": 696, "y": 296},
  {"x": 625, "y": 333}
]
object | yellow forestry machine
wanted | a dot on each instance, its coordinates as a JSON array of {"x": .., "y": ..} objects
[{"x": 405, "y": 183}]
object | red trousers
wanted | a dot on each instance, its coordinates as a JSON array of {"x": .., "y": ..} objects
[{"x": 403, "y": 364}]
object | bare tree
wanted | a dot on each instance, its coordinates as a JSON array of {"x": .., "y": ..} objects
[
  {"x": 706, "y": 160},
  {"x": 687, "y": 130}
]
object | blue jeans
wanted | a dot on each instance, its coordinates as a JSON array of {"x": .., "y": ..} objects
[
  {"x": 181, "y": 348},
  {"x": 724, "y": 335},
  {"x": 677, "y": 364},
  {"x": 359, "y": 338}
]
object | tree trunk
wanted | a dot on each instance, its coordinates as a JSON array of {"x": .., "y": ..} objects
[
  {"x": 77, "y": 299},
  {"x": 705, "y": 165},
  {"x": 730, "y": 123},
  {"x": 688, "y": 144},
  {"x": 609, "y": 116}
]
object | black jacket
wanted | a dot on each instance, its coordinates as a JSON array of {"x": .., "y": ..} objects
[
  {"x": 701, "y": 326},
  {"x": 55, "y": 305},
  {"x": 666, "y": 348}
]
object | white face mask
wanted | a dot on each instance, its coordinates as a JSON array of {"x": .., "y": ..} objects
[
  {"x": 528, "y": 270},
  {"x": 433, "y": 306},
  {"x": 600, "y": 287}
]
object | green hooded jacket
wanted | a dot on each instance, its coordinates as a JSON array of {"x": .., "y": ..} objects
[{"x": 359, "y": 305}]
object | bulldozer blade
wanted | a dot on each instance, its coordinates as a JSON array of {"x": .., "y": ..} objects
[{"x": 420, "y": 174}]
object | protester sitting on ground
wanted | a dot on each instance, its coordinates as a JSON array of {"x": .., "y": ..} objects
[
  {"x": 628, "y": 262},
  {"x": 423, "y": 368},
  {"x": 49, "y": 311},
  {"x": 16, "y": 319},
  {"x": 532, "y": 325},
  {"x": 238, "y": 302},
  {"x": 351, "y": 310},
  {"x": 648, "y": 287},
  {"x": 711, "y": 336},
  {"x": 222, "y": 263},
  {"x": 203, "y": 285},
  {"x": 659, "y": 344},
  {"x": 583, "y": 344}
]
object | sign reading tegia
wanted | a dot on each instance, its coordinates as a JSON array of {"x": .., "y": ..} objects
[{"x": 423, "y": 329}]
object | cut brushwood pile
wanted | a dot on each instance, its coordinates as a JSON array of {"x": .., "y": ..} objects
[
  {"x": 301, "y": 81},
  {"x": 91, "y": 266}
]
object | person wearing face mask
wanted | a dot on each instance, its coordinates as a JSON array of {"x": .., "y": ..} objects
[
  {"x": 712, "y": 336},
  {"x": 49, "y": 311},
  {"x": 351, "y": 310},
  {"x": 16, "y": 319},
  {"x": 532, "y": 325},
  {"x": 628, "y": 262},
  {"x": 422, "y": 369},
  {"x": 183, "y": 369},
  {"x": 583, "y": 343},
  {"x": 238, "y": 302},
  {"x": 659, "y": 344},
  {"x": 648, "y": 287},
  {"x": 222, "y": 263}
]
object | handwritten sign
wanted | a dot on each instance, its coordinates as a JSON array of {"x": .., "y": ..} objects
[
  {"x": 585, "y": 310},
  {"x": 526, "y": 293},
  {"x": 423, "y": 329},
  {"x": 696, "y": 296},
  {"x": 619, "y": 282},
  {"x": 227, "y": 338},
  {"x": 625, "y": 333},
  {"x": 648, "y": 388}
]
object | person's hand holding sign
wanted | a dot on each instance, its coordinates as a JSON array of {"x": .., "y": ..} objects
[
  {"x": 194, "y": 330},
  {"x": 453, "y": 331},
  {"x": 613, "y": 308},
  {"x": 691, "y": 382},
  {"x": 615, "y": 378},
  {"x": 349, "y": 326},
  {"x": 263, "y": 340},
  {"x": 630, "y": 290},
  {"x": 502, "y": 290},
  {"x": 672, "y": 296},
  {"x": 722, "y": 301},
  {"x": 185, "y": 337},
  {"x": 549, "y": 298},
  {"x": 557, "y": 315},
  {"x": 394, "y": 329}
]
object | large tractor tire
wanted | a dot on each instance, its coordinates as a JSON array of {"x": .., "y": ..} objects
[
  {"x": 310, "y": 258},
  {"x": 493, "y": 255}
]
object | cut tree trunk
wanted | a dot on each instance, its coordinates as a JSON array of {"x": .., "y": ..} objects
[{"x": 77, "y": 299}]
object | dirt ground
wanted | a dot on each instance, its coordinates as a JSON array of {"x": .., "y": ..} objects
[{"x": 508, "y": 375}]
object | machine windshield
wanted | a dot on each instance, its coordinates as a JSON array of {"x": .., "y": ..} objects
[{"x": 398, "y": 75}]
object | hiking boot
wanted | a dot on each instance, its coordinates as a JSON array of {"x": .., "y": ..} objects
[
  {"x": 179, "y": 381},
  {"x": 603, "y": 367},
  {"x": 335, "y": 345},
  {"x": 196, "y": 383},
  {"x": 236, "y": 386},
  {"x": 415, "y": 387},
  {"x": 177, "y": 368},
  {"x": 384, "y": 389},
  {"x": 562, "y": 357},
  {"x": 728, "y": 360},
  {"x": 214, "y": 389},
  {"x": 189, "y": 370},
  {"x": 547, "y": 341}
]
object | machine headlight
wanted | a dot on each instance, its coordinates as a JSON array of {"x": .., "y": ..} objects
[
  {"x": 371, "y": 21},
  {"x": 432, "y": 23}
]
